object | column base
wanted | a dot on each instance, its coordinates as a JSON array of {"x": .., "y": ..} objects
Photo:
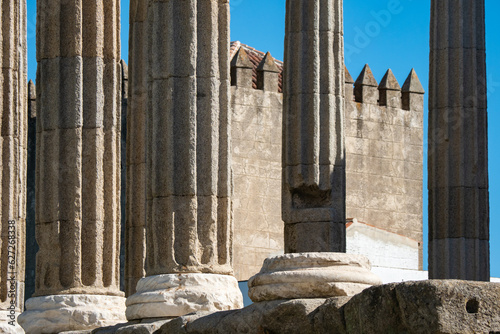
[
  {"x": 59, "y": 313},
  {"x": 8, "y": 322},
  {"x": 311, "y": 275},
  {"x": 175, "y": 295}
]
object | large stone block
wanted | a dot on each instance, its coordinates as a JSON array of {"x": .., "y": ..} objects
[{"x": 425, "y": 307}]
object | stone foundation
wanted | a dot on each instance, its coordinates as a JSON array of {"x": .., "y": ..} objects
[
  {"x": 8, "y": 323},
  {"x": 311, "y": 275},
  {"x": 443, "y": 307},
  {"x": 59, "y": 313},
  {"x": 175, "y": 295}
]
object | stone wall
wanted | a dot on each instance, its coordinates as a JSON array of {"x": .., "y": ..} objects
[
  {"x": 256, "y": 146},
  {"x": 384, "y": 161},
  {"x": 384, "y": 172}
]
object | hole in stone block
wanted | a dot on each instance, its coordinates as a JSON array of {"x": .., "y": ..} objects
[{"x": 472, "y": 306}]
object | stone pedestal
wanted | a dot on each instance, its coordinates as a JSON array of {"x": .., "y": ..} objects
[
  {"x": 9, "y": 324},
  {"x": 57, "y": 313},
  {"x": 311, "y": 275},
  {"x": 179, "y": 294}
]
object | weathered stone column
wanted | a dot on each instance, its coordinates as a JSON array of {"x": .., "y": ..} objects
[
  {"x": 13, "y": 124},
  {"x": 189, "y": 225},
  {"x": 78, "y": 167},
  {"x": 313, "y": 201},
  {"x": 313, "y": 128},
  {"x": 458, "y": 143},
  {"x": 135, "y": 235}
]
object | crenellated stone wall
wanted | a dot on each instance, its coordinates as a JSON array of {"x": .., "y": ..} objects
[
  {"x": 256, "y": 164},
  {"x": 384, "y": 158},
  {"x": 384, "y": 154}
]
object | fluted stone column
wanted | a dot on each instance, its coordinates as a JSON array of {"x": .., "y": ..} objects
[
  {"x": 78, "y": 167},
  {"x": 189, "y": 225},
  {"x": 313, "y": 128},
  {"x": 458, "y": 144},
  {"x": 135, "y": 235},
  {"x": 13, "y": 143},
  {"x": 313, "y": 201}
]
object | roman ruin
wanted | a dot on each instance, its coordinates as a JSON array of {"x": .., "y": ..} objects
[
  {"x": 13, "y": 144},
  {"x": 313, "y": 205},
  {"x": 458, "y": 143},
  {"x": 189, "y": 232},
  {"x": 77, "y": 168},
  {"x": 229, "y": 165}
]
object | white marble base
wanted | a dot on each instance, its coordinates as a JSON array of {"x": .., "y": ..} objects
[
  {"x": 175, "y": 295},
  {"x": 8, "y": 322},
  {"x": 311, "y": 275},
  {"x": 59, "y": 313}
]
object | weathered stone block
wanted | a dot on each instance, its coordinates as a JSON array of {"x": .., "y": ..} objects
[{"x": 425, "y": 307}]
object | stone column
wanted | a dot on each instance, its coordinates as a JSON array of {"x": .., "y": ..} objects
[
  {"x": 189, "y": 225},
  {"x": 313, "y": 192},
  {"x": 458, "y": 144},
  {"x": 77, "y": 168},
  {"x": 135, "y": 235},
  {"x": 313, "y": 127},
  {"x": 13, "y": 143}
]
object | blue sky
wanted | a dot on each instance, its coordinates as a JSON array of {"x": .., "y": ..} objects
[{"x": 383, "y": 33}]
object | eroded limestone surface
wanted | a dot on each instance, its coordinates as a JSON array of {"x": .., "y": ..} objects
[
  {"x": 430, "y": 307},
  {"x": 311, "y": 275}
]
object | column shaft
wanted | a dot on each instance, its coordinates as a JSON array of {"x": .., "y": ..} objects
[
  {"x": 313, "y": 127},
  {"x": 13, "y": 150},
  {"x": 188, "y": 193},
  {"x": 78, "y": 147},
  {"x": 188, "y": 177},
  {"x": 135, "y": 238},
  {"x": 458, "y": 147}
]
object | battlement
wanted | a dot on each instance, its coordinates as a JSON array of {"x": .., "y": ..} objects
[
  {"x": 388, "y": 93},
  {"x": 254, "y": 69},
  {"x": 251, "y": 68}
]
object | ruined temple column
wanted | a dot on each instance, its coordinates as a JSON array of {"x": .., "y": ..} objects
[
  {"x": 188, "y": 214},
  {"x": 13, "y": 143},
  {"x": 313, "y": 128},
  {"x": 313, "y": 194},
  {"x": 458, "y": 142},
  {"x": 77, "y": 168},
  {"x": 135, "y": 235}
]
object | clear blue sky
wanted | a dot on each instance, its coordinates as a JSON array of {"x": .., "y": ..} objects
[{"x": 399, "y": 41}]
